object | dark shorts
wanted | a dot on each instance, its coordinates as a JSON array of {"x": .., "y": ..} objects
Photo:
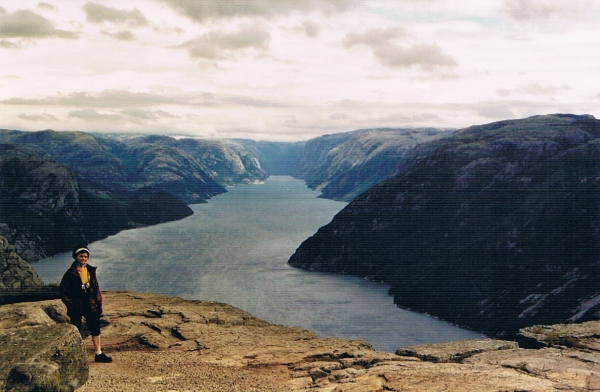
[{"x": 92, "y": 319}]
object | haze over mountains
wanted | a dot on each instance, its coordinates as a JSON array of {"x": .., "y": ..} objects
[{"x": 494, "y": 227}]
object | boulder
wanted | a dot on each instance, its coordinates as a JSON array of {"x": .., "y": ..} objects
[{"x": 39, "y": 354}]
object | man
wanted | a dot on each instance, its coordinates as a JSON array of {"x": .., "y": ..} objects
[{"x": 80, "y": 292}]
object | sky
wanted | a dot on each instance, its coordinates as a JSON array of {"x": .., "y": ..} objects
[{"x": 289, "y": 70}]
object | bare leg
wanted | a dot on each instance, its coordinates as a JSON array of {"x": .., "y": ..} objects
[{"x": 96, "y": 342}]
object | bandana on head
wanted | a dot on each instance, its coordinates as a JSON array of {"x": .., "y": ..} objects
[{"x": 81, "y": 250}]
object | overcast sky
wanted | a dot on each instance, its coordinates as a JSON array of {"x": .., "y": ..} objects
[{"x": 293, "y": 69}]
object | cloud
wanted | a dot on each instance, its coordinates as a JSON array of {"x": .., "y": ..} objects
[
  {"x": 426, "y": 56},
  {"x": 46, "y": 6},
  {"x": 310, "y": 28},
  {"x": 122, "y": 35},
  {"x": 374, "y": 37},
  {"x": 104, "y": 99},
  {"x": 6, "y": 44},
  {"x": 207, "y": 9},
  {"x": 216, "y": 45},
  {"x": 27, "y": 24},
  {"x": 148, "y": 114},
  {"x": 382, "y": 42},
  {"x": 532, "y": 10},
  {"x": 92, "y": 115},
  {"x": 534, "y": 89},
  {"x": 45, "y": 117},
  {"x": 97, "y": 13}
]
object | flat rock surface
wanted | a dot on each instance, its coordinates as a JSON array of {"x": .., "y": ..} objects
[{"x": 163, "y": 343}]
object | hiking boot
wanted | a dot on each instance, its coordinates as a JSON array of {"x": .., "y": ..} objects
[{"x": 102, "y": 358}]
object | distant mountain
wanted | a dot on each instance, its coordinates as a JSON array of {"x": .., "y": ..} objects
[
  {"x": 61, "y": 188},
  {"x": 228, "y": 163},
  {"x": 276, "y": 158},
  {"x": 344, "y": 165},
  {"x": 494, "y": 227}
]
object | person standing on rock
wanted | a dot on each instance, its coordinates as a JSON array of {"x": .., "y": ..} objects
[{"x": 80, "y": 292}]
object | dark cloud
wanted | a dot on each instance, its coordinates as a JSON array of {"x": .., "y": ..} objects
[
  {"x": 97, "y": 13},
  {"x": 385, "y": 46},
  {"x": 206, "y": 9},
  {"x": 216, "y": 45},
  {"x": 27, "y": 24}
]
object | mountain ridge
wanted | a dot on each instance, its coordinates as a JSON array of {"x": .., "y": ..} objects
[{"x": 493, "y": 227}]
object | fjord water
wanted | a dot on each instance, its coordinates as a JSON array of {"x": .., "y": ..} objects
[{"x": 235, "y": 248}]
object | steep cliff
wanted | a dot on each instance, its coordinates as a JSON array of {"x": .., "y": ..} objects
[
  {"x": 15, "y": 273},
  {"x": 44, "y": 210},
  {"x": 342, "y": 166},
  {"x": 495, "y": 227}
]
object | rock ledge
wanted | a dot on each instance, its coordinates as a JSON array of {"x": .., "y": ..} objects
[{"x": 165, "y": 343}]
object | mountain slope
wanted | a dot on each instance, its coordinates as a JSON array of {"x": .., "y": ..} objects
[
  {"x": 342, "y": 166},
  {"x": 494, "y": 227}
]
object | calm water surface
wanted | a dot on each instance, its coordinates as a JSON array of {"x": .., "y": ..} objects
[{"x": 235, "y": 248}]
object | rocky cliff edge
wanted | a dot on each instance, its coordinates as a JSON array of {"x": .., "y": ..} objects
[{"x": 164, "y": 343}]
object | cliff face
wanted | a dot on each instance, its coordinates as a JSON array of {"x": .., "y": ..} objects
[
  {"x": 39, "y": 202},
  {"x": 15, "y": 273},
  {"x": 342, "y": 166},
  {"x": 44, "y": 210},
  {"x": 495, "y": 227}
]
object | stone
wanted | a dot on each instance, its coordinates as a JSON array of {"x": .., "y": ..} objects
[
  {"x": 43, "y": 358},
  {"x": 455, "y": 351}
]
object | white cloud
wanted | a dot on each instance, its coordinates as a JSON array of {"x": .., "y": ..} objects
[{"x": 290, "y": 70}]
